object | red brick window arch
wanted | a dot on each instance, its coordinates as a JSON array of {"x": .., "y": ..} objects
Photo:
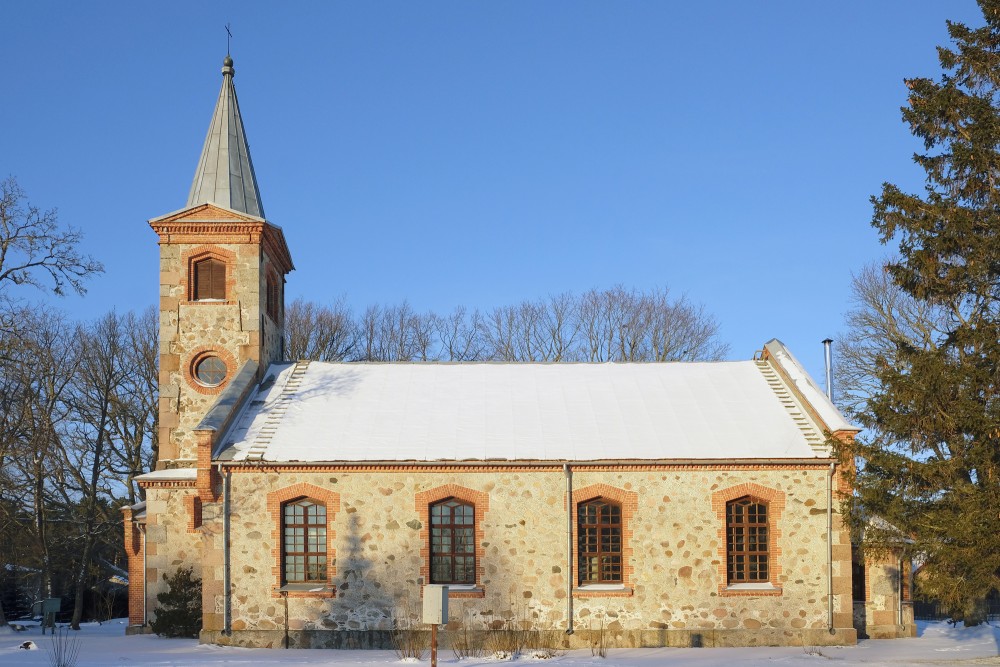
[
  {"x": 303, "y": 538},
  {"x": 603, "y": 552},
  {"x": 210, "y": 274},
  {"x": 747, "y": 541},
  {"x": 451, "y": 516},
  {"x": 209, "y": 279},
  {"x": 209, "y": 370},
  {"x": 749, "y": 516}
]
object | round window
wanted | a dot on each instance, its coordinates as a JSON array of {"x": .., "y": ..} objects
[{"x": 210, "y": 371}]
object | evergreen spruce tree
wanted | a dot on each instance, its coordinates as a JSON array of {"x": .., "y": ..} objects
[
  {"x": 179, "y": 613},
  {"x": 932, "y": 466}
]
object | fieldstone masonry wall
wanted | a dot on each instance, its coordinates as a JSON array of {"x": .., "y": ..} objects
[
  {"x": 170, "y": 541},
  {"x": 888, "y": 610},
  {"x": 674, "y": 595}
]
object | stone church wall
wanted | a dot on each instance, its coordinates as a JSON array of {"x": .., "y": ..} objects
[
  {"x": 674, "y": 589},
  {"x": 888, "y": 610},
  {"x": 171, "y": 539}
]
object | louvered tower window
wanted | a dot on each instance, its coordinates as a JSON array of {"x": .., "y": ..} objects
[{"x": 209, "y": 280}]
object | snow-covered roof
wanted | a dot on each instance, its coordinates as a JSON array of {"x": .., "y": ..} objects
[{"x": 318, "y": 412}]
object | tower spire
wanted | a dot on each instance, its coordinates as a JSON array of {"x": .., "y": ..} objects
[{"x": 225, "y": 173}]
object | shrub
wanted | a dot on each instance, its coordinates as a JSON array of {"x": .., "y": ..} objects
[{"x": 179, "y": 613}]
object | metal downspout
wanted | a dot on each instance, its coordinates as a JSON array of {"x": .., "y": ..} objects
[
  {"x": 900, "y": 596},
  {"x": 569, "y": 548},
  {"x": 142, "y": 529},
  {"x": 227, "y": 610},
  {"x": 829, "y": 547}
]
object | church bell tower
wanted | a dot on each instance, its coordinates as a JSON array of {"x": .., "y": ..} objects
[{"x": 222, "y": 277}]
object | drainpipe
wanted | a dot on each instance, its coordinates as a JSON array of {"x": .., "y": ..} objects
[
  {"x": 569, "y": 548},
  {"x": 284, "y": 595},
  {"x": 227, "y": 610},
  {"x": 142, "y": 529},
  {"x": 829, "y": 547},
  {"x": 900, "y": 596}
]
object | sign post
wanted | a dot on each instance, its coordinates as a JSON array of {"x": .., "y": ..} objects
[{"x": 435, "y": 613}]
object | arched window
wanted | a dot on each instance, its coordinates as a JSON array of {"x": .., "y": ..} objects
[
  {"x": 209, "y": 279},
  {"x": 599, "y": 545},
  {"x": 747, "y": 541},
  {"x": 304, "y": 542},
  {"x": 453, "y": 542}
]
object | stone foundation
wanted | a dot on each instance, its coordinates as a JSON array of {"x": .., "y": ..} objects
[{"x": 382, "y": 639}]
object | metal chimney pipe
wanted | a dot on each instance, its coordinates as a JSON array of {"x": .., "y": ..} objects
[{"x": 827, "y": 347}]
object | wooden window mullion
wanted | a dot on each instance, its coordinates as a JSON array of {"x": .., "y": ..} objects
[
  {"x": 747, "y": 540},
  {"x": 453, "y": 542},
  {"x": 599, "y": 547},
  {"x": 304, "y": 542}
]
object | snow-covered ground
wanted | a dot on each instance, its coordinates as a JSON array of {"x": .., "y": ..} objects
[{"x": 106, "y": 646}]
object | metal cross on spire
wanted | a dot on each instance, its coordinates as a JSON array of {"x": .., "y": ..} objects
[{"x": 229, "y": 39}]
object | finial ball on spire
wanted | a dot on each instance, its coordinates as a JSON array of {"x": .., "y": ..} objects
[{"x": 228, "y": 62}]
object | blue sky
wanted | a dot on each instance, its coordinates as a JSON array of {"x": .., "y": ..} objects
[{"x": 478, "y": 154}]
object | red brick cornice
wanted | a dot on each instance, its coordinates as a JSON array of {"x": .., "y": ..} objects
[{"x": 227, "y": 231}]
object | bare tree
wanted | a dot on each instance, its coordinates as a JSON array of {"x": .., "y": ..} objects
[
  {"x": 35, "y": 249},
  {"x": 681, "y": 331},
  {"x": 319, "y": 332},
  {"x": 882, "y": 316},
  {"x": 601, "y": 325},
  {"x": 459, "y": 335},
  {"x": 627, "y": 325},
  {"x": 133, "y": 446},
  {"x": 40, "y": 369},
  {"x": 392, "y": 333},
  {"x": 87, "y": 447},
  {"x": 77, "y": 424}
]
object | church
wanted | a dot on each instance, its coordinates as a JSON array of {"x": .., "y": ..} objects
[{"x": 662, "y": 504}]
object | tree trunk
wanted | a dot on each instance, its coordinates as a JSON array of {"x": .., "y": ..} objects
[
  {"x": 80, "y": 583},
  {"x": 41, "y": 526},
  {"x": 975, "y": 612}
]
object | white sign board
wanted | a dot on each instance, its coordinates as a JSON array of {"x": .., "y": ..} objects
[{"x": 435, "y": 604}]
